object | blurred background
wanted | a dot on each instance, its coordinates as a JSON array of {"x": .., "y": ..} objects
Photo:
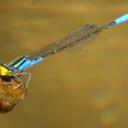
[{"x": 80, "y": 88}]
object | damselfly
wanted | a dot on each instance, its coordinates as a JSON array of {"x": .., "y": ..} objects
[{"x": 12, "y": 85}]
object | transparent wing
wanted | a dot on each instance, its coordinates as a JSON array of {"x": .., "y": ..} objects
[{"x": 78, "y": 37}]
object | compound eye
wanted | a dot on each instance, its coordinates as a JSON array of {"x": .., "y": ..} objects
[{"x": 3, "y": 71}]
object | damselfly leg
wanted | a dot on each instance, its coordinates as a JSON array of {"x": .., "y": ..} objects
[{"x": 28, "y": 74}]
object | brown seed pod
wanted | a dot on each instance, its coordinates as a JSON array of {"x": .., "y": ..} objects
[{"x": 11, "y": 92}]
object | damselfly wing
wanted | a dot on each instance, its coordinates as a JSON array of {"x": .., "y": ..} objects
[{"x": 13, "y": 88}]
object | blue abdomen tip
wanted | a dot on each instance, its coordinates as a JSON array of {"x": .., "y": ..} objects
[{"x": 122, "y": 19}]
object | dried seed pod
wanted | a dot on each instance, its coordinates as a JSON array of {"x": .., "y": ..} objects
[{"x": 11, "y": 92}]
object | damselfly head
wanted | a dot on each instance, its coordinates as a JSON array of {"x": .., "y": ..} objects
[{"x": 12, "y": 90}]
